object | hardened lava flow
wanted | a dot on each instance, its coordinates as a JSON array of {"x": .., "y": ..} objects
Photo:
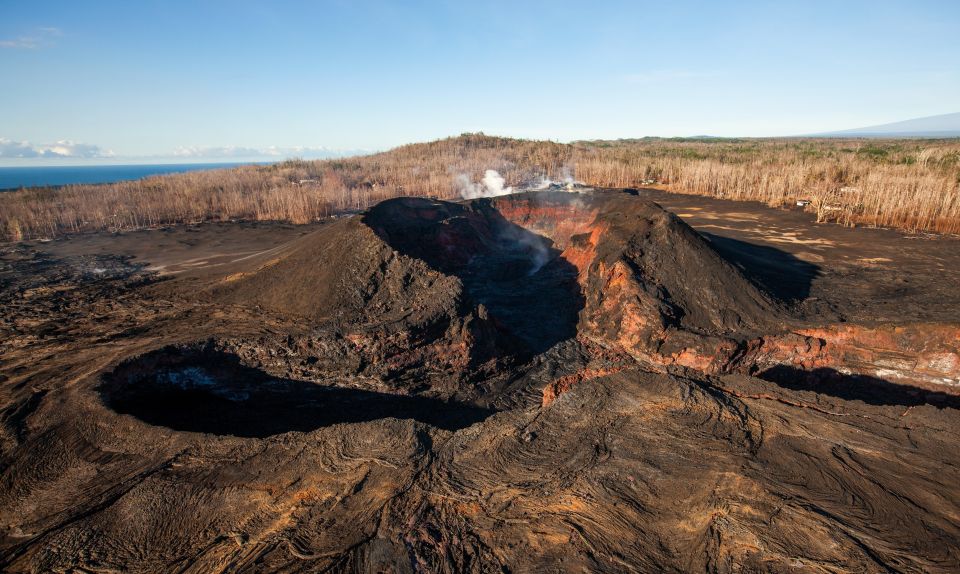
[{"x": 542, "y": 381}]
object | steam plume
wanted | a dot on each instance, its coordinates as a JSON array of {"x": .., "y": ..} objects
[{"x": 490, "y": 186}]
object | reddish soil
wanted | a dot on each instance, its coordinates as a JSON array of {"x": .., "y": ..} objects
[{"x": 547, "y": 381}]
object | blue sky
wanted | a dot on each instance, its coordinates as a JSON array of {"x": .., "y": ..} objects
[{"x": 209, "y": 79}]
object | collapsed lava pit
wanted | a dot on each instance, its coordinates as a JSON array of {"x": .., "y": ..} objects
[{"x": 199, "y": 388}]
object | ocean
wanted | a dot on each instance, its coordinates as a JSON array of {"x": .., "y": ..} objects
[{"x": 17, "y": 177}]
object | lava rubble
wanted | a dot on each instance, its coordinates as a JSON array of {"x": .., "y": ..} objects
[{"x": 543, "y": 381}]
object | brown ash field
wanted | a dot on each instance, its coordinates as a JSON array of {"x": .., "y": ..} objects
[{"x": 606, "y": 381}]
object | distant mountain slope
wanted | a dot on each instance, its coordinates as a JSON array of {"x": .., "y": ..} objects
[{"x": 941, "y": 126}]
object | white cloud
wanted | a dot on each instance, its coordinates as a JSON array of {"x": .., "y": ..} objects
[
  {"x": 38, "y": 38},
  {"x": 58, "y": 149},
  {"x": 228, "y": 151},
  {"x": 23, "y": 43},
  {"x": 267, "y": 152},
  {"x": 67, "y": 149}
]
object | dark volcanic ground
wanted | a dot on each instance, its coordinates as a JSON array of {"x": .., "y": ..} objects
[
  {"x": 540, "y": 382},
  {"x": 862, "y": 274}
]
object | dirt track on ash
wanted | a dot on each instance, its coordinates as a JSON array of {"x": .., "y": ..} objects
[{"x": 539, "y": 382}]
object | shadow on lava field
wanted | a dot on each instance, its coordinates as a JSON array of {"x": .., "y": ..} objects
[
  {"x": 864, "y": 388},
  {"x": 209, "y": 391},
  {"x": 778, "y": 272}
]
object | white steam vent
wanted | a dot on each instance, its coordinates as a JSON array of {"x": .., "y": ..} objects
[{"x": 490, "y": 186}]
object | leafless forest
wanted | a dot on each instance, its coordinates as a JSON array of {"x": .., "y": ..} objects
[{"x": 912, "y": 185}]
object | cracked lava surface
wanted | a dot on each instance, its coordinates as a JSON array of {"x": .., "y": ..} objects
[{"x": 546, "y": 381}]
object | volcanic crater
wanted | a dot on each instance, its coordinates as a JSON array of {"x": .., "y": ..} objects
[
  {"x": 547, "y": 380},
  {"x": 200, "y": 389}
]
